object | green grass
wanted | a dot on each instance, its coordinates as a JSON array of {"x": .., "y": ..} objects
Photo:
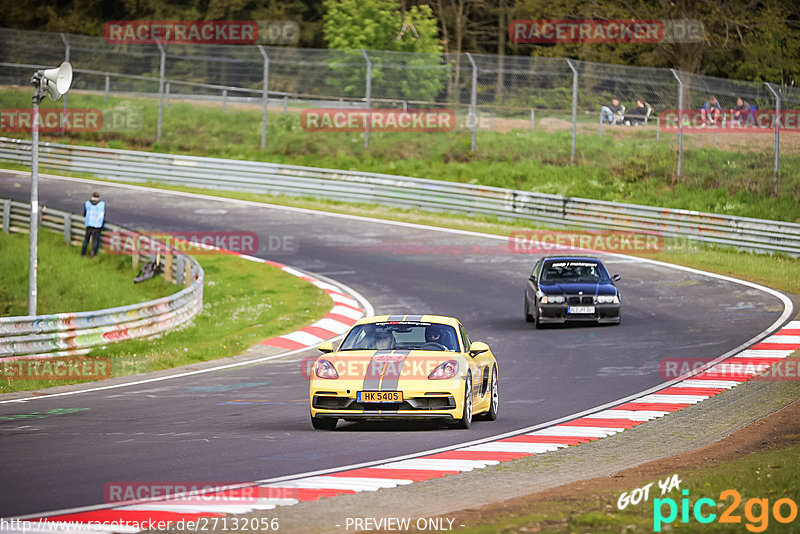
[
  {"x": 636, "y": 169},
  {"x": 771, "y": 474},
  {"x": 68, "y": 282},
  {"x": 244, "y": 302}
]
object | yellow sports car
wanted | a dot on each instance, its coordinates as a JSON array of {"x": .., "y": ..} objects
[{"x": 407, "y": 367}]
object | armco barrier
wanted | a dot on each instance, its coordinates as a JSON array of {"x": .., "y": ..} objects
[
  {"x": 76, "y": 333},
  {"x": 419, "y": 193}
]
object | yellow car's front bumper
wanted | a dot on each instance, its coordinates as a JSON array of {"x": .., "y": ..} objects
[{"x": 422, "y": 399}]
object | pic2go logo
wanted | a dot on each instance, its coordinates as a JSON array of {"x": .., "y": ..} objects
[{"x": 784, "y": 511}]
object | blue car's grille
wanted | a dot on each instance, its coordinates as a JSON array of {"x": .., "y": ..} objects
[{"x": 580, "y": 300}]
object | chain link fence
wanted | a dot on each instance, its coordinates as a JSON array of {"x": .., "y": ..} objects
[{"x": 485, "y": 91}]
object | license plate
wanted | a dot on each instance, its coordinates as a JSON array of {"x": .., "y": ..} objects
[
  {"x": 580, "y": 309},
  {"x": 379, "y": 396}
]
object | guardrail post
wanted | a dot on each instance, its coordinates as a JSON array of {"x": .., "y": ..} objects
[
  {"x": 6, "y": 216},
  {"x": 680, "y": 121},
  {"x": 67, "y": 228},
  {"x": 166, "y": 95},
  {"x": 264, "y": 96},
  {"x": 180, "y": 269},
  {"x": 473, "y": 103},
  {"x": 777, "y": 142},
  {"x": 161, "y": 69},
  {"x": 168, "y": 267},
  {"x": 66, "y": 58},
  {"x": 533, "y": 118},
  {"x": 224, "y": 99},
  {"x": 368, "y": 97},
  {"x": 108, "y": 86}
]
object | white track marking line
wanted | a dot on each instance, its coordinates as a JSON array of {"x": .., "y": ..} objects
[
  {"x": 764, "y": 353},
  {"x": 673, "y": 399},
  {"x": 515, "y": 446},
  {"x": 577, "y": 431},
  {"x": 780, "y": 338},
  {"x": 700, "y": 383},
  {"x": 435, "y": 464},
  {"x": 344, "y": 483},
  {"x": 633, "y": 415}
]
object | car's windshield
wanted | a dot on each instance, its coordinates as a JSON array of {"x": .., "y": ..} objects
[
  {"x": 401, "y": 335},
  {"x": 574, "y": 271}
]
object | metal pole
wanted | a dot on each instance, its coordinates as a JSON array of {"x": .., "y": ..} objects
[
  {"x": 264, "y": 96},
  {"x": 108, "y": 86},
  {"x": 775, "y": 175},
  {"x": 166, "y": 95},
  {"x": 473, "y": 102},
  {"x": 574, "y": 109},
  {"x": 161, "y": 90},
  {"x": 601, "y": 124},
  {"x": 658, "y": 129},
  {"x": 224, "y": 99},
  {"x": 66, "y": 58},
  {"x": 285, "y": 104},
  {"x": 680, "y": 120},
  {"x": 533, "y": 118},
  {"x": 33, "y": 266},
  {"x": 368, "y": 96}
]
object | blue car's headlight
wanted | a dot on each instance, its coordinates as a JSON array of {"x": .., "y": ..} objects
[{"x": 607, "y": 299}]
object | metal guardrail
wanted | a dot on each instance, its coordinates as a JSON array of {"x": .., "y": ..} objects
[
  {"x": 76, "y": 333},
  {"x": 407, "y": 192}
]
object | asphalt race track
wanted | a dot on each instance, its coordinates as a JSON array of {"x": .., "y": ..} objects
[{"x": 189, "y": 429}]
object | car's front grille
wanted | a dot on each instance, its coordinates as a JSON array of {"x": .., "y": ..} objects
[
  {"x": 417, "y": 403},
  {"x": 575, "y": 299}
]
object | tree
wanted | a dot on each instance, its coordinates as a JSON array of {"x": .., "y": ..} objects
[{"x": 383, "y": 27}]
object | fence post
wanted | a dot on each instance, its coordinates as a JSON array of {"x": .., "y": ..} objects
[
  {"x": 108, "y": 86},
  {"x": 775, "y": 176},
  {"x": 680, "y": 120},
  {"x": 224, "y": 99},
  {"x": 285, "y": 104},
  {"x": 473, "y": 102},
  {"x": 160, "y": 89},
  {"x": 6, "y": 216},
  {"x": 166, "y": 95},
  {"x": 67, "y": 228},
  {"x": 574, "y": 109},
  {"x": 180, "y": 269},
  {"x": 533, "y": 118},
  {"x": 168, "y": 266},
  {"x": 368, "y": 96},
  {"x": 658, "y": 129},
  {"x": 66, "y": 58},
  {"x": 405, "y": 106},
  {"x": 264, "y": 96},
  {"x": 601, "y": 124}
]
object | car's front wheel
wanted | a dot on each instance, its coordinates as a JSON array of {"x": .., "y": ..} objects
[
  {"x": 494, "y": 401},
  {"x": 323, "y": 424},
  {"x": 466, "y": 411}
]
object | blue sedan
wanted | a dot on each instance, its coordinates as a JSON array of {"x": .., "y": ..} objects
[{"x": 564, "y": 289}]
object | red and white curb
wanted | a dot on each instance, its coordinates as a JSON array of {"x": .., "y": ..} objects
[
  {"x": 673, "y": 396},
  {"x": 344, "y": 314}
]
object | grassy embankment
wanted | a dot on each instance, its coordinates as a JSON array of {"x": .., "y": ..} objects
[{"x": 244, "y": 302}]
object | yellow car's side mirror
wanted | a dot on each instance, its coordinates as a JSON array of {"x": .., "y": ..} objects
[
  {"x": 325, "y": 347},
  {"x": 477, "y": 347}
]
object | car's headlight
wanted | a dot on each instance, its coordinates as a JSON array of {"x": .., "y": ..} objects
[
  {"x": 325, "y": 369},
  {"x": 607, "y": 299},
  {"x": 551, "y": 299},
  {"x": 445, "y": 370}
]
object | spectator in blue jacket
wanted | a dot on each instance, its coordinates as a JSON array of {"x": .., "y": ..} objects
[{"x": 94, "y": 217}]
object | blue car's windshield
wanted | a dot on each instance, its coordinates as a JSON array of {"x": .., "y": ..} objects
[
  {"x": 401, "y": 335},
  {"x": 578, "y": 271}
]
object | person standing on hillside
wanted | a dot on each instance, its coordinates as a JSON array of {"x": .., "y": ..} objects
[{"x": 94, "y": 217}]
